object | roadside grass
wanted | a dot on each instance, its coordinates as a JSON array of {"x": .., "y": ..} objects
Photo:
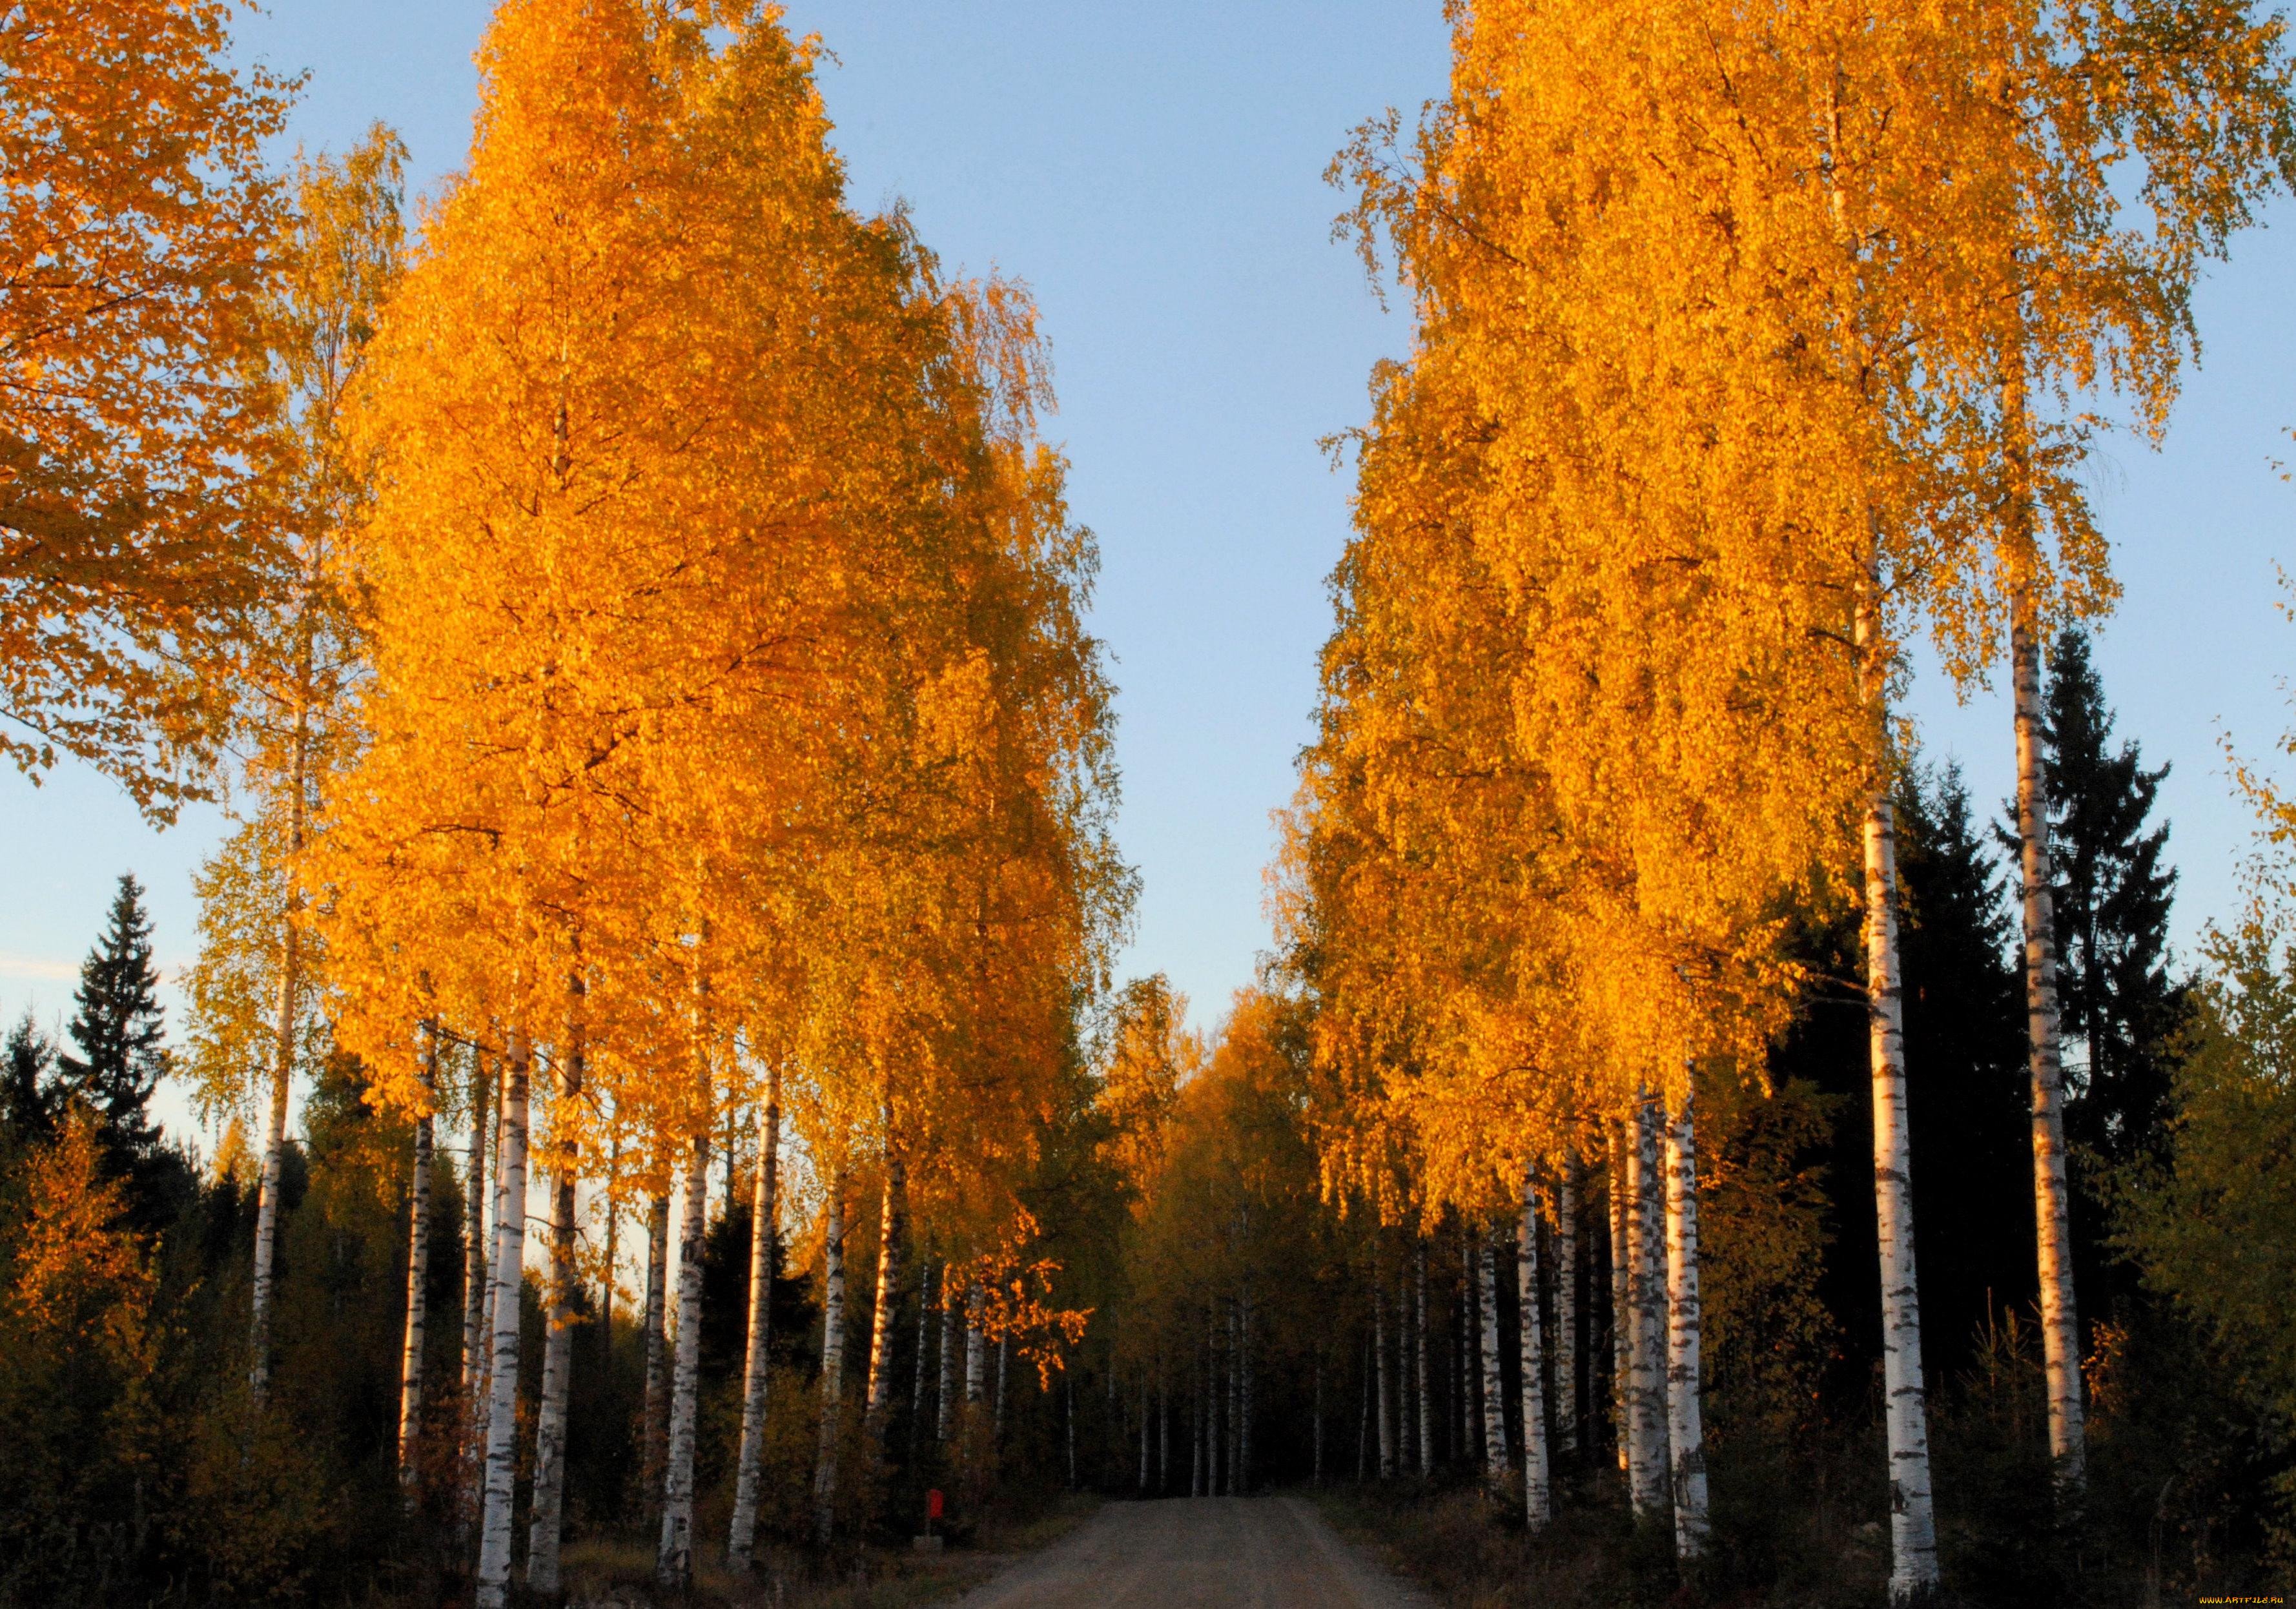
[{"x": 617, "y": 1574}]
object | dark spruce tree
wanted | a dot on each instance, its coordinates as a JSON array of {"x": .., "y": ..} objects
[
  {"x": 28, "y": 1085},
  {"x": 2122, "y": 1012},
  {"x": 1964, "y": 1017},
  {"x": 119, "y": 1030}
]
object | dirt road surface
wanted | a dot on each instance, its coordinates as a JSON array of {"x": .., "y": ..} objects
[{"x": 1263, "y": 1553}]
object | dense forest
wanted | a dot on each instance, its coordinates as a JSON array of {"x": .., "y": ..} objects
[{"x": 675, "y": 1130}]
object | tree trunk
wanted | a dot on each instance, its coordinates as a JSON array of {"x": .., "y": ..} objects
[
  {"x": 924, "y": 1352},
  {"x": 892, "y": 1229},
  {"x": 283, "y": 1070},
  {"x": 1243, "y": 1394},
  {"x": 832, "y": 1364},
  {"x": 976, "y": 1349},
  {"x": 1316, "y": 1478},
  {"x": 1616, "y": 1190},
  {"x": 1069, "y": 1401},
  {"x": 945, "y": 1386},
  {"x": 1684, "y": 1423},
  {"x": 614, "y": 1247},
  {"x": 765, "y": 1218},
  {"x": 1913, "y": 1523},
  {"x": 674, "y": 1559},
  {"x": 1648, "y": 1463},
  {"x": 509, "y": 1265},
  {"x": 1470, "y": 1368},
  {"x": 1003, "y": 1356},
  {"x": 654, "y": 1455},
  {"x": 1566, "y": 1305},
  {"x": 474, "y": 1239},
  {"x": 1495, "y": 1441},
  {"x": 418, "y": 1282},
  {"x": 1362, "y": 1428},
  {"x": 547, "y": 1523},
  {"x": 1143, "y": 1432},
  {"x": 1163, "y": 1428},
  {"x": 478, "y": 1339},
  {"x": 2060, "y": 1323},
  {"x": 1200, "y": 1452},
  {"x": 1426, "y": 1396},
  {"x": 1537, "y": 1498},
  {"x": 1386, "y": 1389}
]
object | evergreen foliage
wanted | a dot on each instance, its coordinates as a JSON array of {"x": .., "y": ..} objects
[
  {"x": 118, "y": 1024},
  {"x": 2113, "y": 889}
]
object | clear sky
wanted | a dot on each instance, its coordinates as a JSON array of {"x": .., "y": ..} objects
[{"x": 1155, "y": 174}]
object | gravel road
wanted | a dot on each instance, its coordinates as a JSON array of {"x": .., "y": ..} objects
[{"x": 1267, "y": 1553}]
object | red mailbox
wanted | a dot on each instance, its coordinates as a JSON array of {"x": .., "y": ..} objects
[{"x": 932, "y": 1504}]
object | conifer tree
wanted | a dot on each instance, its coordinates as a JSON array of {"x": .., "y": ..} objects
[
  {"x": 2112, "y": 899},
  {"x": 118, "y": 1025}
]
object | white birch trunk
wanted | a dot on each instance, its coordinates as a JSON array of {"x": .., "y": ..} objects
[
  {"x": 1470, "y": 1368},
  {"x": 654, "y": 1456},
  {"x": 674, "y": 1556},
  {"x": 545, "y": 1523},
  {"x": 945, "y": 1383},
  {"x": 924, "y": 1351},
  {"x": 509, "y": 1268},
  {"x": 757, "y": 1357},
  {"x": 418, "y": 1283},
  {"x": 1566, "y": 1305},
  {"x": 474, "y": 1239},
  {"x": 1163, "y": 1427},
  {"x": 1912, "y": 1522},
  {"x": 976, "y": 1349},
  {"x": 1004, "y": 1355},
  {"x": 1386, "y": 1388},
  {"x": 1616, "y": 1189},
  {"x": 1315, "y": 1478},
  {"x": 613, "y": 1244},
  {"x": 1425, "y": 1384},
  {"x": 892, "y": 1231},
  {"x": 833, "y": 1363},
  {"x": 1495, "y": 1441},
  {"x": 1538, "y": 1490},
  {"x": 1244, "y": 1395},
  {"x": 1648, "y": 1463},
  {"x": 283, "y": 1070},
  {"x": 1685, "y": 1422},
  {"x": 2060, "y": 1321}
]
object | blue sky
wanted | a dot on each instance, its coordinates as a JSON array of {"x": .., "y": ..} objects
[{"x": 1155, "y": 174}]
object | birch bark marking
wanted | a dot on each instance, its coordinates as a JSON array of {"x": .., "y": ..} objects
[
  {"x": 976, "y": 1350},
  {"x": 547, "y": 1522},
  {"x": 765, "y": 1216},
  {"x": 418, "y": 1278},
  {"x": 945, "y": 1383},
  {"x": 1425, "y": 1394},
  {"x": 1487, "y": 1279},
  {"x": 509, "y": 1270},
  {"x": 654, "y": 1455},
  {"x": 1684, "y": 1423},
  {"x": 1538, "y": 1493},
  {"x": 1616, "y": 1189},
  {"x": 833, "y": 1362},
  {"x": 892, "y": 1230},
  {"x": 474, "y": 1235},
  {"x": 925, "y": 1351},
  {"x": 1646, "y": 1461},
  {"x": 1470, "y": 1368},
  {"x": 283, "y": 1065},
  {"x": 1912, "y": 1522},
  {"x": 674, "y": 1558},
  {"x": 1386, "y": 1388},
  {"x": 2059, "y": 1318},
  {"x": 1566, "y": 1304}
]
